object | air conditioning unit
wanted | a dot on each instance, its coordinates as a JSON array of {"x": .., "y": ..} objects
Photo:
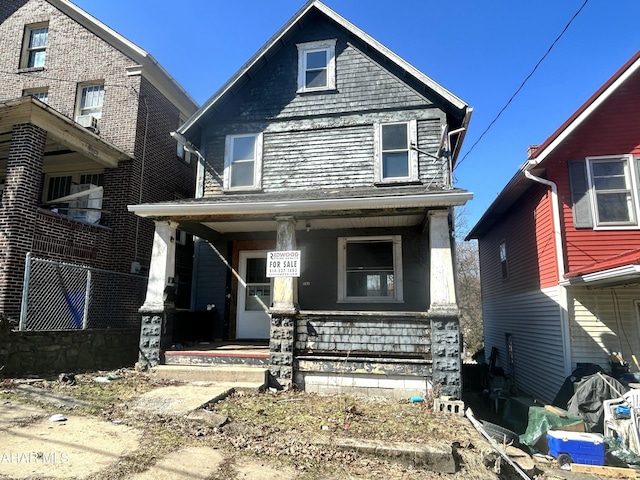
[{"x": 89, "y": 122}]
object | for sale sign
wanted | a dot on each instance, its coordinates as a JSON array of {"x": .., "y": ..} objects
[{"x": 284, "y": 263}]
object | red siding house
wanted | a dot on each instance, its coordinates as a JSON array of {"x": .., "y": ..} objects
[{"x": 560, "y": 246}]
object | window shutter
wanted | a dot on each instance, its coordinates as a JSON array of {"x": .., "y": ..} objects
[{"x": 580, "y": 202}]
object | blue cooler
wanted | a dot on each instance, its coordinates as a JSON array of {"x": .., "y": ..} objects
[{"x": 584, "y": 448}]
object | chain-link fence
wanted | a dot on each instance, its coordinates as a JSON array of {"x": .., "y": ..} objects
[{"x": 63, "y": 296}]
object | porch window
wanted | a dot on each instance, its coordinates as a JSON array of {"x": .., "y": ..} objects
[
  {"x": 34, "y": 50},
  {"x": 243, "y": 162},
  {"x": 370, "y": 269},
  {"x": 78, "y": 196},
  {"x": 316, "y": 66},
  {"x": 395, "y": 160}
]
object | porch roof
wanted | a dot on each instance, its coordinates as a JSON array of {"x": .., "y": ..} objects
[
  {"x": 616, "y": 269},
  {"x": 317, "y": 209},
  {"x": 67, "y": 141}
]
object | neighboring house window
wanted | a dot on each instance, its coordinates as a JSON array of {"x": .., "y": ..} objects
[
  {"x": 370, "y": 269},
  {"x": 41, "y": 94},
  {"x": 604, "y": 192},
  {"x": 2, "y": 181},
  {"x": 503, "y": 260},
  {"x": 243, "y": 162},
  {"x": 394, "y": 159},
  {"x": 34, "y": 50},
  {"x": 78, "y": 196},
  {"x": 90, "y": 100},
  {"x": 317, "y": 66}
]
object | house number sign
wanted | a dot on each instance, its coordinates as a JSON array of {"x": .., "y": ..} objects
[{"x": 284, "y": 263}]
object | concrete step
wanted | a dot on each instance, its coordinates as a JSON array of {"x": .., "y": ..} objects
[{"x": 236, "y": 374}]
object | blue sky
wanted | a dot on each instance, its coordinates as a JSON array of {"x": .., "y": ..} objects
[{"x": 479, "y": 50}]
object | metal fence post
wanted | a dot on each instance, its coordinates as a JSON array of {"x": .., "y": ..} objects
[
  {"x": 25, "y": 292},
  {"x": 87, "y": 297}
]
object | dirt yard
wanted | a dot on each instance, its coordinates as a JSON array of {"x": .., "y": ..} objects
[{"x": 282, "y": 435}]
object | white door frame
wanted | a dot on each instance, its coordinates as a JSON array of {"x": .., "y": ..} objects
[{"x": 252, "y": 323}]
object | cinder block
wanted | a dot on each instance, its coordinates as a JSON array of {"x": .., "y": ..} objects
[{"x": 445, "y": 405}]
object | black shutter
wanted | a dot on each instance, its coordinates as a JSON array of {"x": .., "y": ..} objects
[{"x": 580, "y": 201}]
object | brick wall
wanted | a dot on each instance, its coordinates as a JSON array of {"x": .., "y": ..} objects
[{"x": 18, "y": 211}]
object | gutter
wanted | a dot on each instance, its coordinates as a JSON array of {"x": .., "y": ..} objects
[
  {"x": 448, "y": 199},
  {"x": 556, "y": 219}
]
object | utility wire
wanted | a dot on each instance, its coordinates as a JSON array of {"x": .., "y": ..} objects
[{"x": 523, "y": 83}]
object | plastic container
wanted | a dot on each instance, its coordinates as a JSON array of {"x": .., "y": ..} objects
[{"x": 584, "y": 448}]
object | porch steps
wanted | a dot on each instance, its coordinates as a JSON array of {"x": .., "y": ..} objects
[
  {"x": 241, "y": 376},
  {"x": 215, "y": 357}
]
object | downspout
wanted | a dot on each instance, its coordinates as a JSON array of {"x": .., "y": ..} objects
[
  {"x": 189, "y": 147},
  {"x": 557, "y": 234}
]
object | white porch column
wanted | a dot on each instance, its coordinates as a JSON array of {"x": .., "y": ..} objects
[
  {"x": 285, "y": 289},
  {"x": 442, "y": 277},
  {"x": 162, "y": 267}
]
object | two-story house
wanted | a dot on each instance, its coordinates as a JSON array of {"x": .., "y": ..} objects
[
  {"x": 323, "y": 209},
  {"x": 85, "y": 122},
  {"x": 560, "y": 245}
]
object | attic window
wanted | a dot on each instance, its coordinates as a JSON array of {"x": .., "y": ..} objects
[
  {"x": 316, "y": 66},
  {"x": 34, "y": 49}
]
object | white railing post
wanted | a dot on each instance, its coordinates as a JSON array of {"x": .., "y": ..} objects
[
  {"x": 87, "y": 295},
  {"x": 25, "y": 292}
]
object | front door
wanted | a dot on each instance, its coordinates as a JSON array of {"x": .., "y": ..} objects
[{"x": 254, "y": 296}]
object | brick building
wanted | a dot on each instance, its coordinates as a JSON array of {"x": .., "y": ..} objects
[{"x": 85, "y": 117}]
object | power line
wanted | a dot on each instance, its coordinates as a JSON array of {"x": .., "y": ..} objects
[{"x": 523, "y": 83}]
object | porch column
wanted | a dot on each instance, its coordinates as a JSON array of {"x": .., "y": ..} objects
[
  {"x": 158, "y": 309},
  {"x": 19, "y": 211},
  {"x": 443, "y": 309},
  {"x": 283, "y": 312}
]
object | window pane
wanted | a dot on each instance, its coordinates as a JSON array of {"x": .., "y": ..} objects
[
  {"x": 395, "y": 165},
  {"x": 316, "y": 60},
  {"x": 316, "y": 78},
  {"x": 602, "y": 169},
  {"x": 244, "y": 148},
  {"x": 614, "y": 207},
  {"x": 370, "y": 284},
  {"x": 37, "y": 58},
  {"x": 369, "y": 255},
  {"x": 394, "y": 137},
  {"x": 242, "y": 174},
  {"x": 257, "y": 270},
  {"x": 39, "y": 37}
]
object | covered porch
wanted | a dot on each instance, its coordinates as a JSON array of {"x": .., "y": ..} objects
[{"x": 406, "y": 343}]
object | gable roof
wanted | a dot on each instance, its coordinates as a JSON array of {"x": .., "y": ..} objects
[
  {"x": 258, "y": 59},
  {"x": 519, "y": 184},
  {"x": 147, "y": 65}
]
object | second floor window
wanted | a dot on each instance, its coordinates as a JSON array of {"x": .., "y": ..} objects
[
  {"x": 90, "y": 99},
  {"x": 395, "y": 160},
  {"x": 41, "y": 94},
  {"x": 604, "y": 192},
  {"x": 243, "y": 162},
  {"x": 35, "y": 46}
]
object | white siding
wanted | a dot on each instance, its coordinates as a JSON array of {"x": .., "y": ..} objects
[
  {"x": 603, "y": 321},
  {"x": 534, "y": 321}
]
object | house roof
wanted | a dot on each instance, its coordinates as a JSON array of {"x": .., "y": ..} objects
[
  {"x": 275, "y": 42},
  {"x": 146, "y": 64},
  {"x": 621, "y": 268},
  {"x": 519, "y": 184}
]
